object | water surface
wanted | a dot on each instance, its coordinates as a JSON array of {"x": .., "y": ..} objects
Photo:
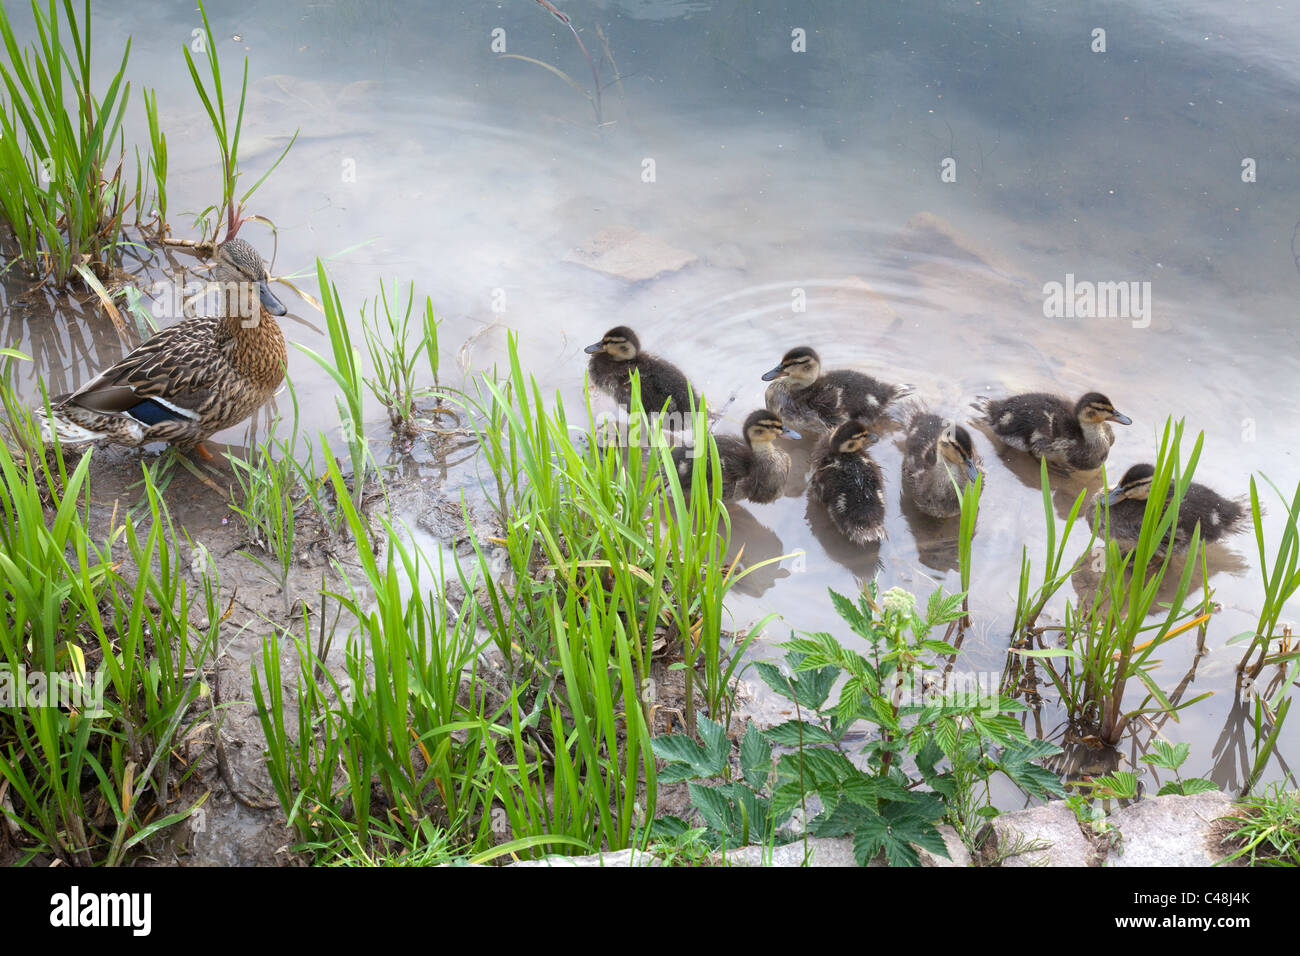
[{"x": 781, "y": 176}]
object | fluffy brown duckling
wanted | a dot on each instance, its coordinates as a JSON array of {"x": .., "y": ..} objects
[
  {"x": 753, "y": 467},
  {"x": 1219, "y": 517},
  {"x": 1074, "y": 438},
  {"x": 618, "y": 354},
  {"x": 192, "y": 379},
  {"x": 937, "y": 454},
  {"x": 850, "y": 484},
  {"x": 808, "y": 398}
]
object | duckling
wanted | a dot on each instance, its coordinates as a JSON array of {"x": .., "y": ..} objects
[
  {"x": 937, "y": 454},
  {"x": 849, "y": 484},
  {"x": 753, "y": 467},
  {"x": 1219, "y": 517},
  {"x": 191, "y": 380},
  {"x": 1045, "y": 426},
  {"x": 808, "y": 398},
  {"x": 618, "y": 354}
]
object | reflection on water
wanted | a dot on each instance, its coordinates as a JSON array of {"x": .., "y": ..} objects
[{"x": 805, "y": 191}]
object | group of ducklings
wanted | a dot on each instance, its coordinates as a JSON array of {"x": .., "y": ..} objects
[
  {"x": 208, "y": 373},
  {"x": 938, "y": 459}
]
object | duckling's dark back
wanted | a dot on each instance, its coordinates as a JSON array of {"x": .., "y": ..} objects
[
  {"x": 660, "y": 381},
  {"x": 923, "y": 431},
  {"x": 851, "y": 487}
]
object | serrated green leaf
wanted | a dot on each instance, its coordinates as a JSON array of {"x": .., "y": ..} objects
[
  {"x": 795, "y": 733},
  {"x": 755, "y": 757},
  {"x": 851, "y": 615},
  {"x": 1199, "y": 785},
  {"x": 809, "y": 689},
  {"x": 1122, "y": 783},
  {"x": 717, "y": 747},
  {"x": 938, "y": 647},
  {"x": 1169, "y": 756},
  {"x": 713, "y": 807},
  {"x": 686, "y": 759}
]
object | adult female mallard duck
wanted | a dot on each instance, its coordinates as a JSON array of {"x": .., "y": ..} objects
[
  {"x": 937, "y": 454},
  {"x": 1073, "y": 438},
  {"x": 193, "y": 379},
  {"x": 849, "y": 484},
  {"x": 753, "y": 467},
  {"x": 802, "y": 394},
  {"x": 1219, "y": 517},
  {"x": 618, "y": 354}
]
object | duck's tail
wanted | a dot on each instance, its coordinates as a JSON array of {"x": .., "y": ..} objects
[
  {"x": 983, "y": 406},
  {"x": 67, "y": 430}
]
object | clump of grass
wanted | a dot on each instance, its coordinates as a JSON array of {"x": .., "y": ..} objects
[
  {"x": 1268, "y": 831},
  {"x": 347, "y": 375},
  {"x": 61, "y": 190},
  {"x": 264, "y": 502},
  {"x": 392, "y": 358},
  {"x": 397, "y": 719},
  {"x": 577, "y": 508},
  {"x": 1271, "y": 643},
  {"x": 1102, "y": 651},
  {"x": 89, "y": 774},
  {"x": 595, "y": 96},
  {"x": 227, "y": 134},
  {"x": 156, "y": 166}
]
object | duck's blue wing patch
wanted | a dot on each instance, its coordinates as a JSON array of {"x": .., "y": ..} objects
[{"x": 151, "y": 412}]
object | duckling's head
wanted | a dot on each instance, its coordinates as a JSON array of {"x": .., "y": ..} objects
[
  {"x": 955, "y": 446},
  {"x": 763, "y": 427},
  {"x": 620, "y": 343},
  {"x": 1135, "y": 484},
  {"x": 850, "y": 438},
  {"x": 1095, "y": 408},
  {"x": 239, "y": 264},
  {"x": 802, "y": 365}
]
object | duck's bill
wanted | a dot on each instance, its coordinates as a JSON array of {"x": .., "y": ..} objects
[
  {"x": 788, "y": 432},
  {"x": 777, "y": 372},
  {"x": 593, "y": 349},
  {"x": 1122, "y": 419},
  {"x": 1114, "y": 497},
  {"x": 269, "y": 301},
  {"x": 971, "y": 471}
]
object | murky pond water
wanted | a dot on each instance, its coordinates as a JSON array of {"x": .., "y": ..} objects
[{"x": 896, "y": 194}]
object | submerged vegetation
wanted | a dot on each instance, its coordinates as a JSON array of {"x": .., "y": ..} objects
[{"x": 539, "y": 690}]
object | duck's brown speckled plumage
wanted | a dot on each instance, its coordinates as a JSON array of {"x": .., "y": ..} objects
[{"x": 190, "y": 380}]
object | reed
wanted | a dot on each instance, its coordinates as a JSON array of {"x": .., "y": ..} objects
[
  {"x": 392, "y": 358},
  {"x": 89, "y": 769},
  {"x": 227, "y": 132},
  {"x": 395, "y": 719},
  {"x": 262, "y": 498},
  {"x": 61, "y": 190},
  {"x": 347, "y": 375},
  {"x": 1109, "y": 640}
]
